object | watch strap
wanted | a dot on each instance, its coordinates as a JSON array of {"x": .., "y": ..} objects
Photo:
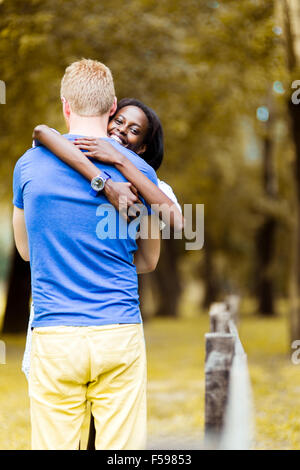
[
  {"x": 106, "y": 177},
  {"x": 93, "y": 192}
]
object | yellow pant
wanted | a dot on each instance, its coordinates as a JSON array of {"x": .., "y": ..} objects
[{"x": 104, "y": 365}]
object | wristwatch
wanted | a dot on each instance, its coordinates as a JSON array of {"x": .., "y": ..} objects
[{"x": 98, "y": 183}]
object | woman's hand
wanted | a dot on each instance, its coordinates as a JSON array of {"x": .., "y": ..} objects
[
  {"x": 121, "y": 195},
  {"x": 99, "y": 149}
]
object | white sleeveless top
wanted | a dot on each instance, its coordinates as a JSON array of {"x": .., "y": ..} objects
[{"x": 166, "y": 188}]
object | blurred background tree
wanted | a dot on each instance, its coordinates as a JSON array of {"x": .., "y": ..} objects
[
  {"x": 290, "y": 13},
  {"x": 217, "y": 76}
]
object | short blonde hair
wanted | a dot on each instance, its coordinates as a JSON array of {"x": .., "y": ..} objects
[{"x": 88, "y": 87}]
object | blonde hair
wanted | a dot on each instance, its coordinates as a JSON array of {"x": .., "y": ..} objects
[{"x": 88, "y": 87}]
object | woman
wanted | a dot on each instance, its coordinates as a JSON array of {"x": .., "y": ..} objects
[{"x": 137, "y": 127}]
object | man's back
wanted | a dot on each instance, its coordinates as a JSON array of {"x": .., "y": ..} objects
[{"x": 78, "y": 278}]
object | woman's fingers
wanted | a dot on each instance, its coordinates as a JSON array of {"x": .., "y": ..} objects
[
  {"x": 86, "y": 139},
  {"x": 136, "y": 194},
  {"x": 89, "y": 154},
  {"x": 85, "y": 146},
  {"x": 133, "y": 189},
  {"x": 87, "y": 143}
]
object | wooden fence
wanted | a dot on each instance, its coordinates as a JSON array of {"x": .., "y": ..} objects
[{"x": 228, "y": 398}]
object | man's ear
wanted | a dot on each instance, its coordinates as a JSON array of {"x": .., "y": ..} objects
[
  {"x": 114, "y": 107},
  {"x": 66, "y": 108}
]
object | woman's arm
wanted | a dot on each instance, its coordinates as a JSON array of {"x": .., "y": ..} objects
[
  {"x": 65, "y": 150},
  {"x": 72, "y": 156},
  {"x": 105, "y": 152}
]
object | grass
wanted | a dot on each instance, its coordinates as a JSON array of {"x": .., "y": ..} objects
[{"x": 175, "y": 352}]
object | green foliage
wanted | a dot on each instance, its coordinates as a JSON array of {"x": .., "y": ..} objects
[{"x": 203, "y": 66}]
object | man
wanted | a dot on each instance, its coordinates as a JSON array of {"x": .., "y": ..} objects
[{"x": 88, "y": 342}]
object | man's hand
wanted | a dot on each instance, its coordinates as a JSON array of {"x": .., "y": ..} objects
[{"x": 121, "y": 196}]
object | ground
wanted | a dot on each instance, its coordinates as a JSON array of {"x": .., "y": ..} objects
[{"x": 175, "y": 351}]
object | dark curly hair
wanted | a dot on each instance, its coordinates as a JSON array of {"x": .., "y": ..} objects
[{"x": 154, "y": 139}]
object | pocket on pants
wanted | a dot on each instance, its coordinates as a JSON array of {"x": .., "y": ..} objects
[{"x": 49, "y": 345}]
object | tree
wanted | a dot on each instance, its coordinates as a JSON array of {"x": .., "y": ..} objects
[
  {"x": 292, "y": 43},
  {"x": 265, "y": 236},
  {"x": 203, "y": 66},
  {"x": 18, "y": 295}
]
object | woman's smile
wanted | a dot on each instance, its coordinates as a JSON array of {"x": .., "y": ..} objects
[
  {"x": 118, "y": 138},
  {"x": 129, "y": 128}
]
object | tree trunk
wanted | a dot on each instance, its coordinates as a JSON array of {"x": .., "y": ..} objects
[
  {"x": 265, "y": 236},
  {"x": 211, "y": 283},
  {"x": 294, "y": 111},
  {"x": 18, "y": 295},
  {"x": 264, "y": 278},
  {"x": 145, "y": 286},
  {"x": 292, "y": 43},
  {"x": 166, "y": 280}
]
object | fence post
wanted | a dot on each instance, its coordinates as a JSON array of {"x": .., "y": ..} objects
[
  {"x": 219, "y": 351},
  {"x": 228, "y": 400},
  {"x": 219, "y": 317},
  {"x": 218, "y": 360},
  {"x": 233, "y": 304}
]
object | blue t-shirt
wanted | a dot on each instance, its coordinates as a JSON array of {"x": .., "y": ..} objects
[{"x": 80, "y": 277}]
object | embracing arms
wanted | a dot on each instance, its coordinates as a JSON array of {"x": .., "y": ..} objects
[
  {"x": 105, "y": 152},
  {"x": 148, "y": 248},
  {"x": 68, "y": 153}
]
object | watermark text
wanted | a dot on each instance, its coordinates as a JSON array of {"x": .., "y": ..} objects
[
  {"x": 136, "y": 223},
  {"x": 296, "y": 354}
]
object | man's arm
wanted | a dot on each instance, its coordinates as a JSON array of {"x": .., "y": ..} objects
[
  {"x": 72, "y": 156},
  {"x": 147, "y": 255},
  {"x": 20, "y": 233}
]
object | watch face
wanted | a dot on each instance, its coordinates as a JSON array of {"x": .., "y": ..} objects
[{"x": 97, "y": 183}]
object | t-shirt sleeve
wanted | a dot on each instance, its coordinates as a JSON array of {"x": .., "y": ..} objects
[{"x": 18, "y": 187}]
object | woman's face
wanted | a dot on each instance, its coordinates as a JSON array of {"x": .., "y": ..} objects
[{"x": 129, "y": 127}]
